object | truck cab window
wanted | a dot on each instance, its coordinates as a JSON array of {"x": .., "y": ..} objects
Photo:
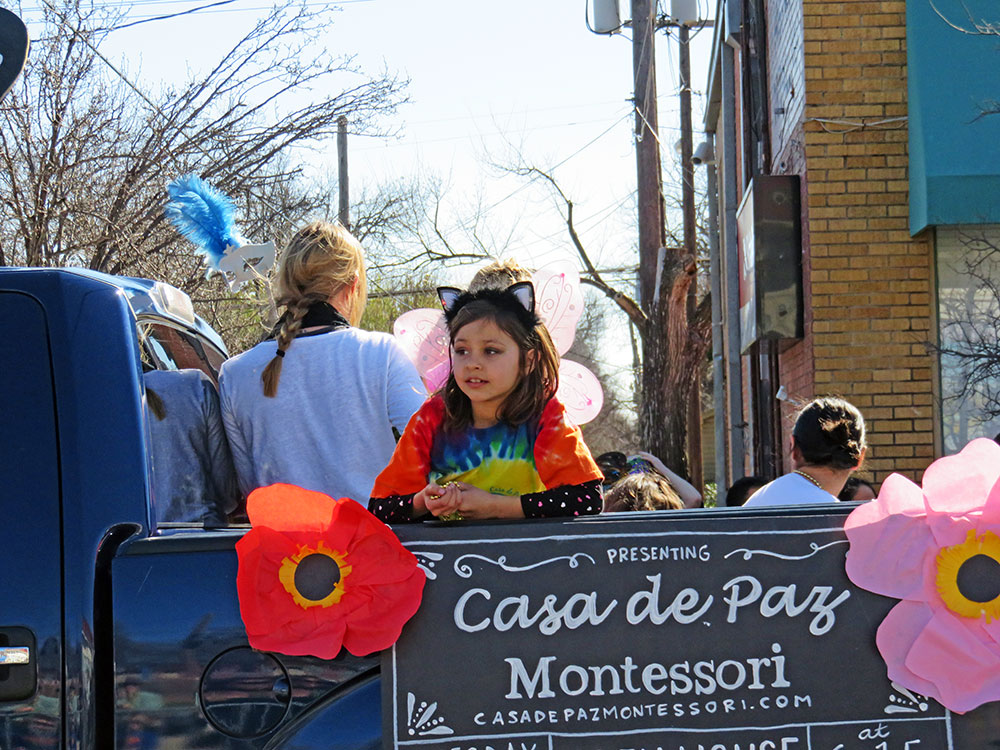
[
  {"x": 170, "y": 348},
  {"x": 191, "y": 469}
]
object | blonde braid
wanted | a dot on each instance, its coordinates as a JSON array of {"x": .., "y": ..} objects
[
  {"x": 320, "y": 261},
  {"x": 291, "y": 322}
]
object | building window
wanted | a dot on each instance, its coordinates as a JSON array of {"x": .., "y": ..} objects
[{"x": 968, "y": 283}]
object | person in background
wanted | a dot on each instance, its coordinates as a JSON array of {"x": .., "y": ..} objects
[
  {"x": 193, "y": 478},
  {"x": 316, "y": 405},
  {"x": 828, "y": 445},
  {"x": 857, "y": 489},
  {"x": 686, "y": 492},
  {"x": 742, "y": 489},
  {"x": 615, "y": 465},
  {"x": 499, "y": 275},
  {"x": 645, "y": 490}
]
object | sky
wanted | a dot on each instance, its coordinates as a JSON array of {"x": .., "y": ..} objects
[{"x": 486, "y": 80}]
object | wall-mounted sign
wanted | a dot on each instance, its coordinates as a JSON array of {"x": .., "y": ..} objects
[
  {"x": 769, "y": 238},
  {"x": 670, "y": 631}
]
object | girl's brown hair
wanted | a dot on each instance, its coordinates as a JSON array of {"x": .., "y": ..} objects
[
  {"x": 539, "y": 374},
  {"x": 321, "y": 260}
]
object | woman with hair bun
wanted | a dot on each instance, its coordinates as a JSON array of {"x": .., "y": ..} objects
[
  {"x": 315, "y": 404},
  {"x": 828, "y": 444}
]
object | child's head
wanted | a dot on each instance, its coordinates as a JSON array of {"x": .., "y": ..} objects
[
  {"x": 499, "y": 275},
  {"x": 322, "y": 262},
  {"x": 857, "y": 489},
  {"x": 643, "y": 490},
  {"x": 502, "y": 357},
  {"x": 742, "y": 489}
]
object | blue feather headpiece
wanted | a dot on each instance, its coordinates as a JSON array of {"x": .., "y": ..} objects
[{"x": 203, "y": 215}]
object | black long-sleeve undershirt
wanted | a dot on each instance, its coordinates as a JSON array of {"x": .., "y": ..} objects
[{"x": 568, "y": 500}]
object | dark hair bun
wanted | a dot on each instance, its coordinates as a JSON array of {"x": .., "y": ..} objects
[{"x": 830, "y": 432}]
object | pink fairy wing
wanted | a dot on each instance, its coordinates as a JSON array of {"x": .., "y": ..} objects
[
  {"x": 559, "y": 301},
  {"x": 579, "y": 391},
  {"x": 423, "y": 336}
]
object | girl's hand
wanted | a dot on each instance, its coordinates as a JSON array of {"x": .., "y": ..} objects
[
  {"x": 655, "y": 462},
  {"x": 475, "y": 503},
  {"x": 445, "y": 503},
  {"x": 437, "y": 500}
]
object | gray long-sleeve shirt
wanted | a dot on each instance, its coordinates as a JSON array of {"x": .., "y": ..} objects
[{"x": 329, "y": 428}]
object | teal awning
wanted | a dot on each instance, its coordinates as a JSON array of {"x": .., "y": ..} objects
[{"x": 952, "y": 77}]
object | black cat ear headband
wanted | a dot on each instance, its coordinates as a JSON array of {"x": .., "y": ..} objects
[{"x": 518, "y": 298}]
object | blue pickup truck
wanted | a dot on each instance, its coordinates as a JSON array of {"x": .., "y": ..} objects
[{"x": 120, "y": 626}]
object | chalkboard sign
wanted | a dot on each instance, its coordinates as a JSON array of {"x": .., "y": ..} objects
[{"x": 693, "y": 630}]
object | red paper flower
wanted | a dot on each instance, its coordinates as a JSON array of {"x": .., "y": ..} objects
[{"x": 316, "y": 573}]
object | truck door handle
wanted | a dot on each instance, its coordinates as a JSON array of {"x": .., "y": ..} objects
[
  {"x": 15, "y": 655},
  {"x": 18, "y": 667}
]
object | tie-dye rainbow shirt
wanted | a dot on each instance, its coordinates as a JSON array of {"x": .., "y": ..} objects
[
  {"x": 502, "y": 459},
  {"x": 499, "y": 459}
]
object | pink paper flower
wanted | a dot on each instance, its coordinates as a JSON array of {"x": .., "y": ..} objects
[{"x": 937, "y": 548}]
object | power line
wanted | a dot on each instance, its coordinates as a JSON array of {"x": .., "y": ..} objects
[
  {"x": 152, "y": 3},
  {"x": 480, "y": 135},
  {"x": 597, "y": 216},
  {"x": 588, "y": 144},
  {"x": 172, "y": 15},
  {"x": 518, "y": 112}
]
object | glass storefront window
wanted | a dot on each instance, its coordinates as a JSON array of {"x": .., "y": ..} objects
[{"x": 968, "y": 299}]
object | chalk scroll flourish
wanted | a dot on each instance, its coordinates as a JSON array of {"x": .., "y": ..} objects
[
  {"x": 464, "y": 570},
  {"x": 816, "y": 548}
]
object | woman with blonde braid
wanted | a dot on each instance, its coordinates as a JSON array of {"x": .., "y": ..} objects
[{"x": 315, "y": 405}]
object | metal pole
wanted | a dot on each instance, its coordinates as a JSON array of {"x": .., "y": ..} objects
[
  {"x": 344, "y": 214},
  {"x": 731, "y": 270},
  {"x": 718, "y": 357},
  {"x": 690, "y": 246}
]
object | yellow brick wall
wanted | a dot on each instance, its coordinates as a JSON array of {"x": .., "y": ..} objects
[{"x": 869, "y": 283}]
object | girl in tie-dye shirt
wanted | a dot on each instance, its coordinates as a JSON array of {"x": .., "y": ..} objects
[{"x": 494, "y": 442}]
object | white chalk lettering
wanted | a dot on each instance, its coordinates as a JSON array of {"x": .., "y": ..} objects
[
  {"x": 644, "y": 605},
  {"x": 744, "y": 591},
  {"x": 518, "y": 673},
  {"x": 618, "y": 555},
  {"x": 550, "y": 617},
  {"x": 706, "y": 677},
  {"x": 459, "y": 615}
]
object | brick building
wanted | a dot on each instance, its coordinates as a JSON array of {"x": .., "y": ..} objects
[{"x": 873, "y": 109}]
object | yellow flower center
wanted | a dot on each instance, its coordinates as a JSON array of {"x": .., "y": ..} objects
[
  {"x": 968, "y": 576},
  {"x": 314, "y": 576}
]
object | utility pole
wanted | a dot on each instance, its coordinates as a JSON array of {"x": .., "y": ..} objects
[
  {"x": 652, "y": 232},
  {"x": 344, "y": 214},
  {"x": 690, "y": 246},
  {"x": 670, "y": 357}
]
